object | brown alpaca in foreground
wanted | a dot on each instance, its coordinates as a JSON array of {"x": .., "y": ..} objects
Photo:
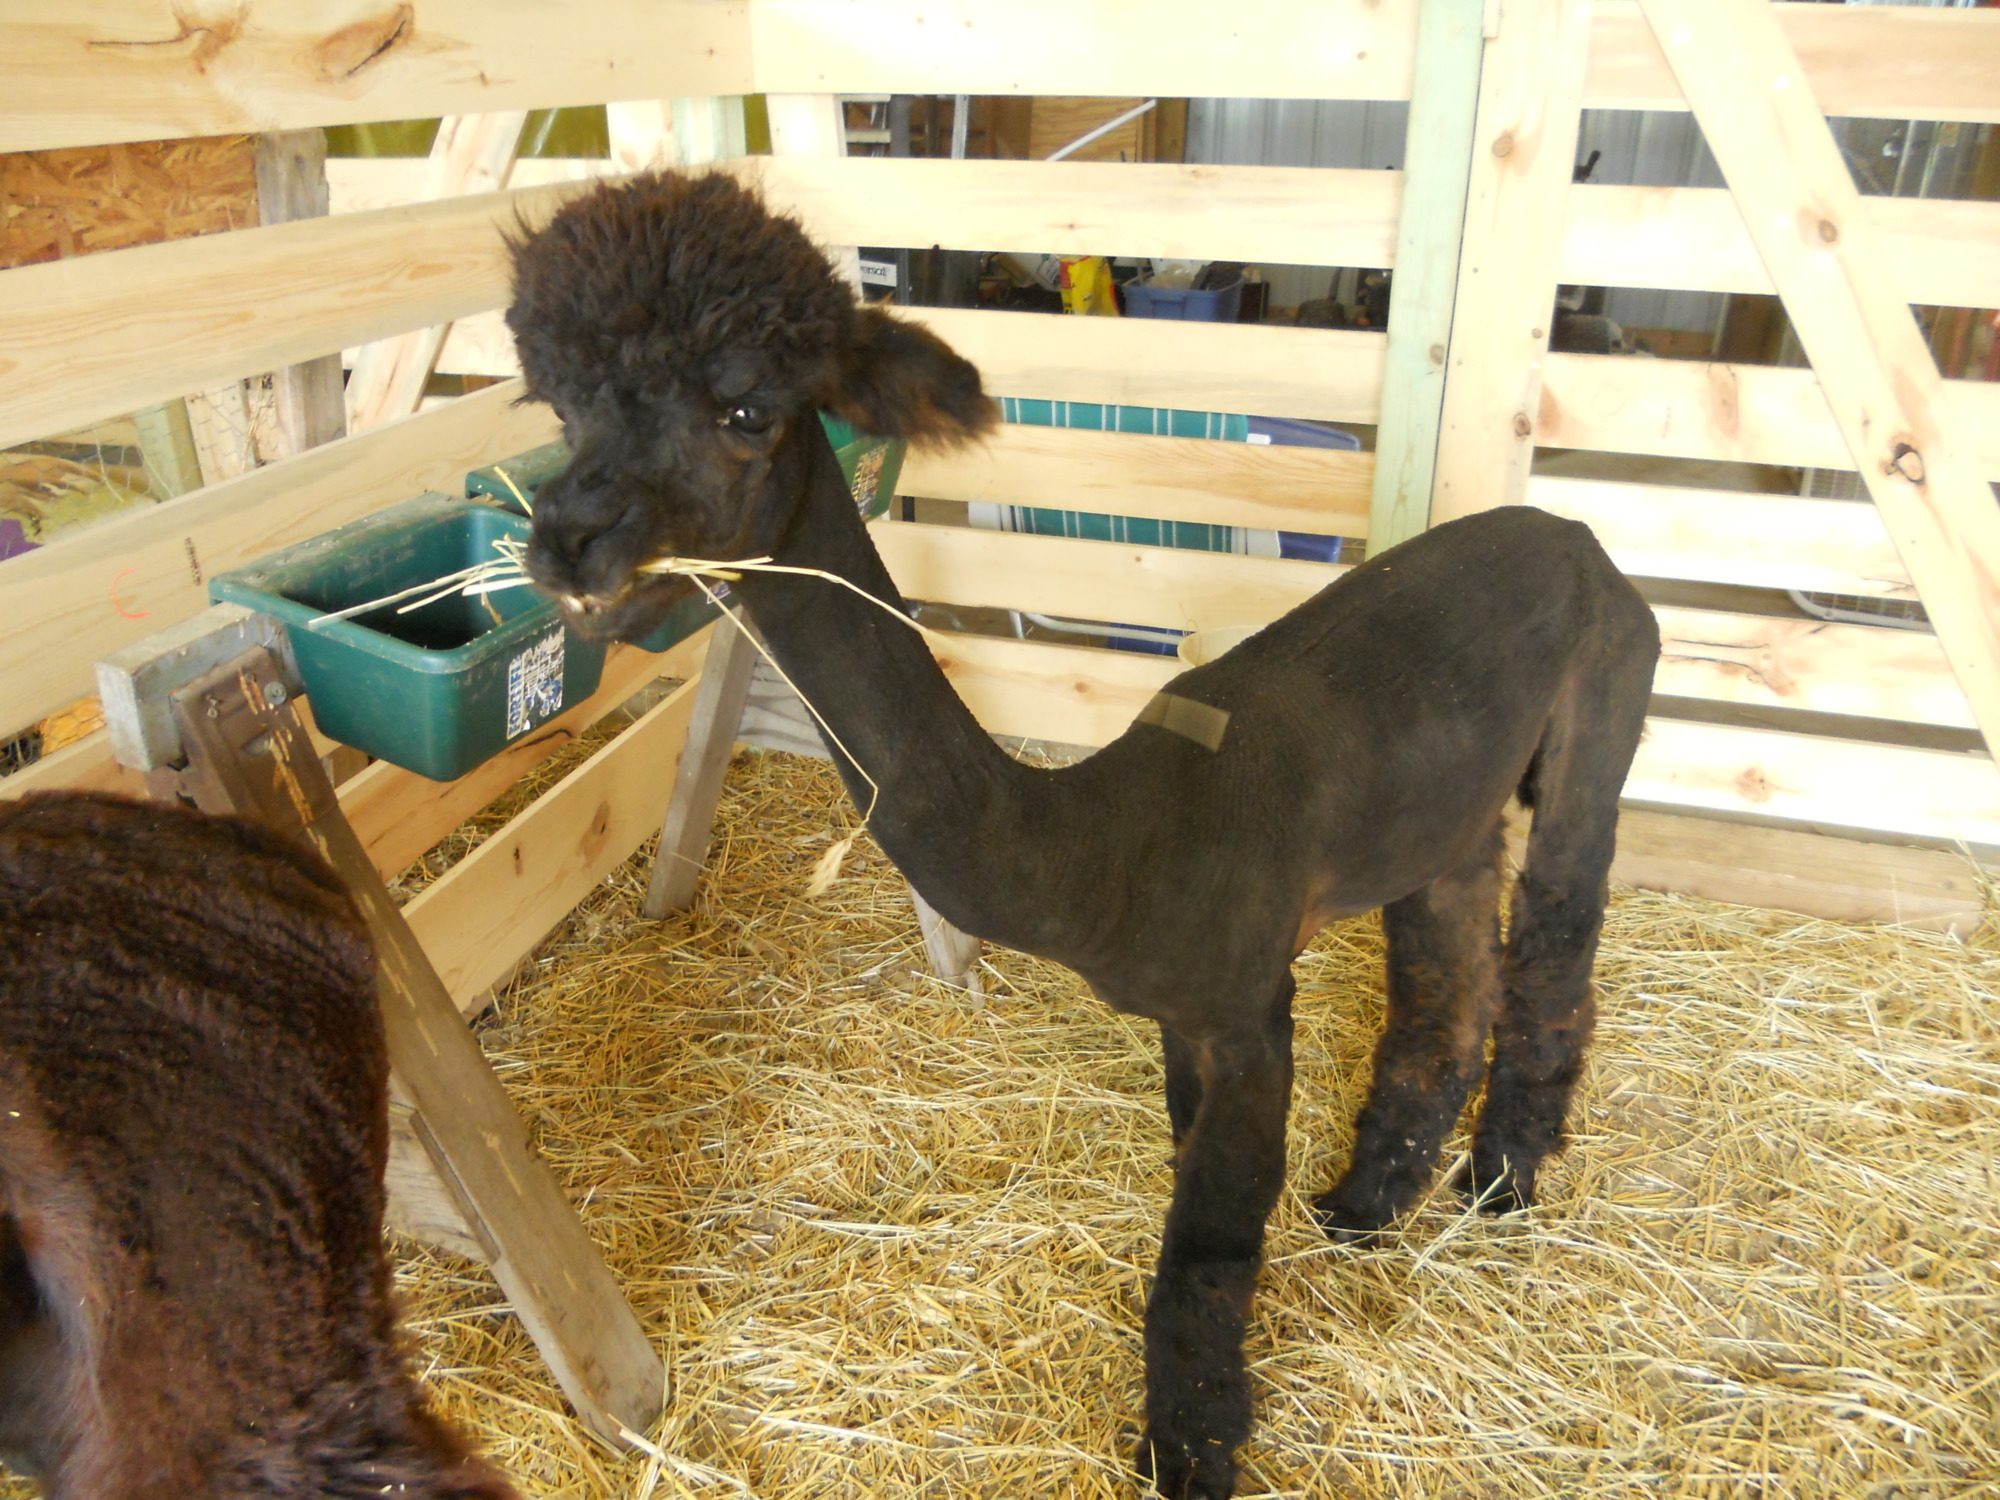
[
  {"x": 1371, "y": 740},
  {"x": 194, "y": 1295}
]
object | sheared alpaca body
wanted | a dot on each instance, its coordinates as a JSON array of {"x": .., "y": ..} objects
[
  {"x": 1373, "y": 739},
  {"x": 195, "y": 1300}
]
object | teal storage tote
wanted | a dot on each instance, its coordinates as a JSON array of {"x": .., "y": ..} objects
[{"x": 442, "y": 688}]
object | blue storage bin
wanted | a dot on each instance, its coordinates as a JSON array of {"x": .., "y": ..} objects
[
  {"x": 1293, "y": 432},
  {"x": 1144, "y": 300}
]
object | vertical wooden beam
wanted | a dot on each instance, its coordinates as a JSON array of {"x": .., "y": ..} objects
[
  {"x": 814, "y": 125},
  {"x": 954, "y": 955},
  {"x": 718, "y": 708},
  {"x": 166, "y": 439},
  {"x": 675, "y": 132},
  {"x": 1430, "y": 227},
  {"x": 1749, "y": 94},
  {"x": 222, "y": 432},
  {"x": 472, "y": 154},
  {"x": 1524, "y": 151},
  {"x": 642, "y": 134},
  {"x": 291, "y": 184}
]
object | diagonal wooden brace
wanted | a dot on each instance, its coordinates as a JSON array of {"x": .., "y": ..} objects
[{"x": 248, "y": 754}]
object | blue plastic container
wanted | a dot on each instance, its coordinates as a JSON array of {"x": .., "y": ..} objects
[{"x": 1144, "y": 300}]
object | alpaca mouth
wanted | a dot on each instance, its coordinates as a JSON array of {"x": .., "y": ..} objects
[{"x": 633, "y": 610}]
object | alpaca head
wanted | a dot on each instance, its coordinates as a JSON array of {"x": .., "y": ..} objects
[{"x": 687, "y": 337}]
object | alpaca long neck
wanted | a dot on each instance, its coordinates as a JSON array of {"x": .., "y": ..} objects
[{"x": 958, "y": 815}]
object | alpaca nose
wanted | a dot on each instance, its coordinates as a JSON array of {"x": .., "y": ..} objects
[{"x": 577, "y": 540}]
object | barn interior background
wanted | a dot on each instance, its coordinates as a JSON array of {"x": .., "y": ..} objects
[{"x": 253, "y": 274}]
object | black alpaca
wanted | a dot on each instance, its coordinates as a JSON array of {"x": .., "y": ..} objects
[{"x": 685, "y": 336}]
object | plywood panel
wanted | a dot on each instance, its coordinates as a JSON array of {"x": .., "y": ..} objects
[{"x": 75, "y": 202}]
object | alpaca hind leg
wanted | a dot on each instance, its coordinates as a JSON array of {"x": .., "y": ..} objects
[
  {"x": 1443, "y": 992},
  {"x": 1548, "y": 1011},
  {"x": 1232, "y": 1165}
]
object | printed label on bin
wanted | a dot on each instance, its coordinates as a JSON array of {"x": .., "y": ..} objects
[{"x": 535, "y": 684}]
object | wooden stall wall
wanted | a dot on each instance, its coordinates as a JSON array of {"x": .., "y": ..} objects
[
  {"x": 1785, "y": 728},
  {"x": 95, "y": 337}
]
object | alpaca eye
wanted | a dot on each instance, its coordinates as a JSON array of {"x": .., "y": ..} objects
[{"x": 747, "y": 416}]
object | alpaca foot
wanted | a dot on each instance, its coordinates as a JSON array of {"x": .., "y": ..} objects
[
  {"x": 1180, "y": 1471},
  {"x": 1495, "y": 1190},
  {"x": 1353, "y": 1217}
]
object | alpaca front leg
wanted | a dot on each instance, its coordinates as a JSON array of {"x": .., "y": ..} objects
[{"x": 1232, "y": 1163}]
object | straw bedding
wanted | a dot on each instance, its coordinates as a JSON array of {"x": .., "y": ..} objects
[{"x": 892, "y": 1240}]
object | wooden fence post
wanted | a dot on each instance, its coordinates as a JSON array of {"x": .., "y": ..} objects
[
  {"x": 1430, "y": 227},
  {"x": 1523, "y": 155}
]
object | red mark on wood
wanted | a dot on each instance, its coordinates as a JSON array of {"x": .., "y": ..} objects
[
  {"x": 1754, "y": 786},
  {"x": 122, "y": 612}
]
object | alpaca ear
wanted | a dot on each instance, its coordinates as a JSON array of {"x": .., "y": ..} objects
[{"x": 896, "y": 379}]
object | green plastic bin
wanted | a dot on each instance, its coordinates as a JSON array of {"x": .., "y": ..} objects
[
  {"x": 443, "y": 687},
  {"x": 871, "y": 466}
]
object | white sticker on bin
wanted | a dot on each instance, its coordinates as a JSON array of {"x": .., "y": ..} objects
[{"x": 535, "y": 684}]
